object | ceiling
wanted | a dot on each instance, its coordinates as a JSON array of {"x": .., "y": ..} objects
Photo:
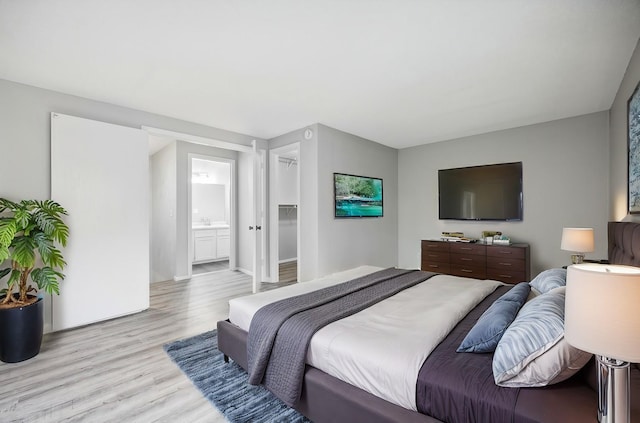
[{"x": 398, "y": 72}]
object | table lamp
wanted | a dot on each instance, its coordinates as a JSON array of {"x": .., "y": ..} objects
[
  {"x": 602, "y": 316},
  {"x": 577, "y": 240}
]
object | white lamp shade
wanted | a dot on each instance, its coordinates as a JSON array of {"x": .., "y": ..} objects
[
  {"x": 579, "y": 240},
  {"x": 602, "y": 310}
]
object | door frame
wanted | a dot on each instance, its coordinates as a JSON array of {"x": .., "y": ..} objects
[
  {"x": 232, "y": 208},
  {"x": 274, "y": 241},
  {"x": 242, "y": 148}
]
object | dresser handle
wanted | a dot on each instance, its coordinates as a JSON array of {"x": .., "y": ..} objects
[
  {"x": 466, "y": 270},
  {"x": 465, "y": 259},
  {"x": 433, "y": 265},
  {"x": 465, "y": 248},
  {"x": 506, "y": 252},
  {"x": 505, "y": 276},
  {"x": 432, "y": 255},
  {"x": 504, "y": 264}
]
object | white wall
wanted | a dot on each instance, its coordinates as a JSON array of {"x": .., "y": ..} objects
[
  {"x": 163, "y": 214},
  {"x": 287, "y": 183},
  {"x": 618, "y": 134},
  {"x": 565, "y": 177},
  {"x": 208, "y": 203}
]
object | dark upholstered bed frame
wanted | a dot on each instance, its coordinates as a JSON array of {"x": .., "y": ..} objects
[{"x": 327, "y": 399}]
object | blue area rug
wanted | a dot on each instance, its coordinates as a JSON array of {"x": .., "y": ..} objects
[{"x": 225, "y": 384}]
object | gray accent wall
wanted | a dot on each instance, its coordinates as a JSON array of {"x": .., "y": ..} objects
[
  {"x": 619, "y": 140},
  {"x": 565, "y": 184},
  {"x": 327, "y": 244},
  {"x": 347, "y": 243},
  {"x": 25, "y": 132}
]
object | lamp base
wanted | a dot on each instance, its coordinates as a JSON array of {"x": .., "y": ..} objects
[
  {"x": 613, "y": 390},
  {"x": 577, "y": 258}
]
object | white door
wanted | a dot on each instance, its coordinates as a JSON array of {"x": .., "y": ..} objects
[
  {"x": 251, "y": 213},
  {"x": 99, "y": 173},
  {"x": 258, "y": 214}
]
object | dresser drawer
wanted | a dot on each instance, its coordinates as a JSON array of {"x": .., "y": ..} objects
[
  {"x": 477, "y": 272},
  {"x": 508, "y": 276},
  {"x": 500, "y": 251},
  {"x": 435, "y": 246},
  {"x": 505, "y": 263},
  {"x": 435, "y": 255},
  {"x": 467, "y": 248},
  {"x": 468, "y": 260},
  {"x": 428, "y": 266}
]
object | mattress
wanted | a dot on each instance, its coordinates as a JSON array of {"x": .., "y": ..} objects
[{"x": 381, "y": 349}]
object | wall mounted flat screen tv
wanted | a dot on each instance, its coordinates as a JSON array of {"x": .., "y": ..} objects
[
  {"x": 492, "y": 192},
  {"x": 357, "y": 196}
]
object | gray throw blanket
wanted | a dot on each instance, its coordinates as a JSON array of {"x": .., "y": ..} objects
[{"x": 280, "y": 332}]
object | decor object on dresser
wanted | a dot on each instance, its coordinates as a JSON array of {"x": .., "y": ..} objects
[
  {"x": 613, "y": 289},
  {"x": 506, "y": 263},
  {"x": 29, "y": 232},
  {"x": 633, "y": 128},
  {"x": 578, "y": 241}
]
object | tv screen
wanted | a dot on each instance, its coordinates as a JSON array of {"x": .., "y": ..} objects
[
  {"x": 492, "y": 192},
  {"x": 357, "y": 196}
]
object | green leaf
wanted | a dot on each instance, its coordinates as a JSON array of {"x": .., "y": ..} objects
[
  {"x": 24, "y": 251},
  {"x": 4, "y": 272},
  {"x": 4, "y": 253},
  {"x": 7, "y": 231},
  {"x": 47, "y": 279}
]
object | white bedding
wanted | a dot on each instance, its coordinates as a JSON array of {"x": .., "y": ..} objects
[{"x": 382, "y": 348}]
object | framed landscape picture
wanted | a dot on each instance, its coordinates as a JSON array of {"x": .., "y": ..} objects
[{"x": 633, "y": 128}]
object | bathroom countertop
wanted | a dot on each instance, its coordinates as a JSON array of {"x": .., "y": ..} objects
[{"x": 211, "y": 226}]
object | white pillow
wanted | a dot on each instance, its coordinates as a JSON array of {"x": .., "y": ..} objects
[{"x": 533, "y": 352}]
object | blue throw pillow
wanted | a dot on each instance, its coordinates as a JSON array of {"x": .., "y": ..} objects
[
  {"x": 549, "y": 279},
  {"x": 486, "y": 333}
]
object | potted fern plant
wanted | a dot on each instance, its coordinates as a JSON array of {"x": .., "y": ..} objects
[{"x": 30, "y": 231}]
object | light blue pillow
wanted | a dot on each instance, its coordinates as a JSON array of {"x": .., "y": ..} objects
[
  {"x": 549, "y": 279},
  {"x": 485, "y": 334},
  {"x": 533, "y": 351}
]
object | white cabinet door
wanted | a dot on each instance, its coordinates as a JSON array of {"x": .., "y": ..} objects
[
  {"x": 100, "y": 174},
  {"x": 204, "y": 248},
  {"x": 222, "y": 246}
]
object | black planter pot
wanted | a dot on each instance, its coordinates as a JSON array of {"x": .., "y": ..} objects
[{"x": 21, "y": 331}]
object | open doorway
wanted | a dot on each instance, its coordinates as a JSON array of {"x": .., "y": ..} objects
[
  {"x": 284, "y": 225},
  {"x": 210, "y": 210}
]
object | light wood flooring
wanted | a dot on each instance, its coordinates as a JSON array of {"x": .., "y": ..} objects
[
  {"x": 117, "y": 371},
  {"x": 213, "y": 266},
  {"x": 288, "y": 271}
]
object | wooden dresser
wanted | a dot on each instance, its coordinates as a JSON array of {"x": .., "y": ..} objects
[{"x": 506, "y": 263}]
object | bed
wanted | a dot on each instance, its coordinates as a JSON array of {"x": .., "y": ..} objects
[{"x": 451, "y": 386}]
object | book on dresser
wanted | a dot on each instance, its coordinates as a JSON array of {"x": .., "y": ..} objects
[{"x": 505, "y": 263}]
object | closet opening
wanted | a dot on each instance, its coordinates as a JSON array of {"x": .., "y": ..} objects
[{"x": 285, "y": 228}]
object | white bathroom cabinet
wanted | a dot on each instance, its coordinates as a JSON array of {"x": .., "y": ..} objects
[{"x": 210, "y": 244}]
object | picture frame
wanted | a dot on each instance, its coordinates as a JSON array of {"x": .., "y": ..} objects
[{"x": 633, "y": 137}]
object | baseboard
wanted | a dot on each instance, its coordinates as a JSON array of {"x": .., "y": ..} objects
[
  {"x": 181, "y": 278},
  {"x": 245, "y": 271},
  {"x": 288, "y": 260}
]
